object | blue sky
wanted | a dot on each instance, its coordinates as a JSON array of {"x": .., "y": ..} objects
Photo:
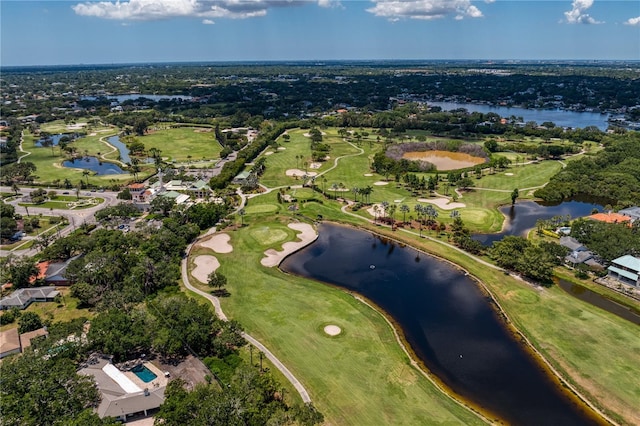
[{"x": 89, "y": 32}]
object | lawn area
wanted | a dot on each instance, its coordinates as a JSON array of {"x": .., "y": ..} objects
[
  {"x": 526, "y": 176},
  {"x": 64, "y": 311},
  {"x": 70, "y": 203},
  {"x": 184, "y": 143},
  {"x": 592, "y": 349},
  {"x": 49, "y": 167},
  {"x": 360, "y": 377}
]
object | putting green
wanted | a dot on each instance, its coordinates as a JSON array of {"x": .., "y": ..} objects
[{"x": 267, "y": 236}]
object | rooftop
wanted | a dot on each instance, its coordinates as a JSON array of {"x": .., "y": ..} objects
[
  {"x": 628, "y": 261},
  {"x": 610, "y": 217}
]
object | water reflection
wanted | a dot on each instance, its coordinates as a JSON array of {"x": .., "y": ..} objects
[
  {"x": 448, "y": 322},
  {"x": 95, "y": 165},
  {"x": 523, "y": 216}
]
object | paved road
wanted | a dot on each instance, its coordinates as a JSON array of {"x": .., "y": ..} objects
[
  {"x": 75, "y": 217},
  {"x": 216, "y": 303}
]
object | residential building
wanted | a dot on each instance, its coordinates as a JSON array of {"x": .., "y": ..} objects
[
  {"x": 632, "y": 212},
  {"x": 610, "y": 217},
  {"x": 13, "y": 343},
  {"x": 626, "y": 269},
  {"x": 123, "y": 393},
  {"x": 23, "y": 297}
]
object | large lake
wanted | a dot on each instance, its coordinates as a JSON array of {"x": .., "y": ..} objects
[
  {"x": 447, "y": 320},
  {"x": 560, "y": 117}
]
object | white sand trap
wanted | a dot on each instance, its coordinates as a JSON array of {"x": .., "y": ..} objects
[
  {"x": 315, "y": 165},
  {"x": 368, "y": 174},
  {"x": 372, "y": 212},
  {"x": 268, "y": 153},
  {"x": 397, "y": 201},
  {"x": 218, "y": 243},
  {"x": 443, "y": 203},
  {"x": 204, "y": 266},
  {"x": 281, "y": 148},
  {"x": 309, "y": 134},
  {"x": 92, "y": 134},
  {"x": 380, "y": 183},
  {"x": 299, "y": 173},
  {"x": 508, "y": 174},
  {"x": 332, "y": 330},
  {"x": 307, "y": 235}
]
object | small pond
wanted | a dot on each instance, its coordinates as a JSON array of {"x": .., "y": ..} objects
[
  {"x": 122, "y": 148},
  {"x": 523, "y": 216},
  {"x": 450, "y": 324},
  {"x": 53, "y": 139},
  {"x": 445, "y": 160},
  {"x": 95, "y": 165},
  {"x": 583, "y": 293}
]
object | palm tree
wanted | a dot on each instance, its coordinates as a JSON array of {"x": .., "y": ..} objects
[
  {"x": 86, "y": 173},
  {"x": 241, "y": 212},
  {"x": 404, "y": 209},
  {"x": 355, "y": 191},
  {"x": 376, "y": 210},
  {"x": 15, "y": 188},
  {"x": 392, "y": 211},
  {"x": 334, "y": 188},
  {"x": 385, "y": 208}
]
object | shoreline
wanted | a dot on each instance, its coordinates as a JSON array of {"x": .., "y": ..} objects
[{"x": 563, "y": 385}]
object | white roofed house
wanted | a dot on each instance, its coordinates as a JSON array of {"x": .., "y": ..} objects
[
  {"x": 626, "y": 269},
  {"x": 123, "y": 393}
]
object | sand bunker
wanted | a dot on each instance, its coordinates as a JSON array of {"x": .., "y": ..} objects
[
  {"x": 307, "y": 235},
  {"x": 368, "y": 174},
  {"x": 309, "y": 134},
  {"x": 218, "y": 243},
  {"x": 268, "y": 153},
  {"x": 332, "y": 330},
  {"x": 299, "y": 173},
  {"x": 443, "y": 203},
  {"x": 315, "y": 165},
  {"x": 372, "y": 210},
  {"x": 380, "y": 183},
  {"x": 281, "y": 148},
  {"x": 508, "y": 174},
  {"x": 204, "y": 266}
]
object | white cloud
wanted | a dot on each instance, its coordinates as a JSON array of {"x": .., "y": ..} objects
[
  {"x": 424, "y": 9},
  {"x": 633, "y": 21},
  {"x": 148, "y": 10},
  {"x": 329, "y": 3},
  {"x": 208, "y": 22},
  {"x": 577, "y": 16}
]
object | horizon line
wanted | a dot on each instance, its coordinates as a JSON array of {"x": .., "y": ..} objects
[{"x": 281, "y": 61}]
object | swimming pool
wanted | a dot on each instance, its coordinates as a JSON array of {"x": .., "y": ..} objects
[{"x": 143, "y": 373}]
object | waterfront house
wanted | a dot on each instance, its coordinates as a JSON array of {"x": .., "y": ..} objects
[{"x": 626, "y": 269}]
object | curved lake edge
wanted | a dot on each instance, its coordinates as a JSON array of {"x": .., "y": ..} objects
[{"x": 563, "y": 384}]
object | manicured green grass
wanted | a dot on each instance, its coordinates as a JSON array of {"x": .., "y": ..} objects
[
  {"x": 528, "y": 176},
  {"x": 183, "y": 143},
  {"x": 360, "y": 377},
  {"x": 65, "y": 204},
  {"x": 592, "y": 349},
  {"x": 49, "y": 167}
]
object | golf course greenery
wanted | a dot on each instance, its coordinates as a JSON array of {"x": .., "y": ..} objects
[{"x": 362, "y": 376}]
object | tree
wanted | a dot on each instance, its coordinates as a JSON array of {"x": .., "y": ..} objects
[
  {"x": 37, "y": 390},
  {"x": 241, "y": 213},
  {"x": 162, "y": 204},
  {"x": 15, "y": 189},
  {"x": 22, "y": 271},
  {"x": 404, "y": 209},
  {"x": 514, "y": 195},
  {"x": 217, "y": 280},
  {"x": 29, "y": 321}
]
